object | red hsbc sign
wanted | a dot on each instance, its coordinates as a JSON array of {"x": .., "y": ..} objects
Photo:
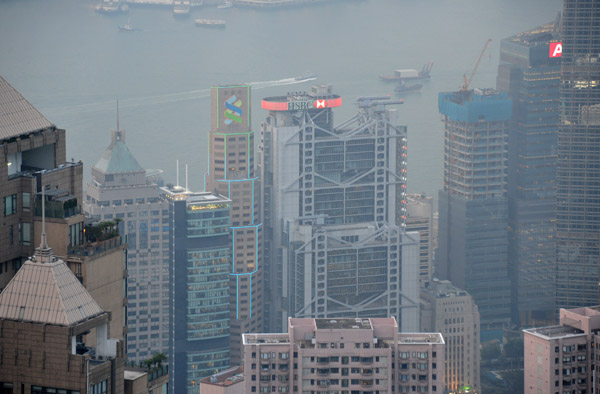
[
  {"x": 300, "y": 105},
  {"x": 556, "y": 49},
  {"x": 320, "y": 103}
]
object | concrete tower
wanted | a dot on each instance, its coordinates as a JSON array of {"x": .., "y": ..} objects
[{"x": 231, "y": 174}]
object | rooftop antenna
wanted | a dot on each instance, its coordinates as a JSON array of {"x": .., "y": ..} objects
[
  {"x": 186, "y": 177},
  {"x": 117, "y": 114},
  {"x": 44, "y": 244},
  {"x": 177, "y": 176}
]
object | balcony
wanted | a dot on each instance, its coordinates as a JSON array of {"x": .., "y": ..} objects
[
  {"x": 366, "y": 372},
  {"x": 323, "y": 371},
  {"x": 366, "y": 360}
]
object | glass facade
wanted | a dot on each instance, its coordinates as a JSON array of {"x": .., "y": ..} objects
[
  {"x": 532, "y": 78},
  {"x": 473, "y": 205},
  {"x": 200, "y": 309},
  {"x": 578, "y": 171}
]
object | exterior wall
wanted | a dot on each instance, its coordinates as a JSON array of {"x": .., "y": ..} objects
[
  {"x": 371, "y": 355},
  {"x": 40, "y": 355},
  {"x": 532, "y": 78},
  {"x": 473, "y": 205},
  {"x": 12, "y": 255},
  {"x": 144, "y": 220},
  {"x": 419, "y": 217},
  {"x": 232, "y": 174},
  {"x": 200, "y": 319},
  {"x": 331, "y": 198},
  {"x": 578, "y": 205},
  {"x": 451, "y": 311}
]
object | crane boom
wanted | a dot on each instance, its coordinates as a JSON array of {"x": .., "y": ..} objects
[{"x": 466, "y": 83}]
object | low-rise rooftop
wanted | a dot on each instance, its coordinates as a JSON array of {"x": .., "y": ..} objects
[
  {"x": 555, "y": 332},
  {"x": 333, "y": 324},
  {"x": 421, "y": 338}
]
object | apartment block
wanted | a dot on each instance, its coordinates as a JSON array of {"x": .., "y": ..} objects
[
  {"x": 344, "y": 356},
  {"x": 561, "y": 359}
]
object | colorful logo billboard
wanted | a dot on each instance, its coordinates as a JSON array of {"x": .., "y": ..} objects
[
  {"x": 230, "y": 108},
  {"x": 233, "y": 110},
  {"x": 556, "y": 49}
]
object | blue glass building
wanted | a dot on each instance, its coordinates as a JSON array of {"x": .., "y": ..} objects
[
  {"x": 473, "y": 207},
  {"x": 199, "y": 272},
  {"x": 532, "y": 78}
]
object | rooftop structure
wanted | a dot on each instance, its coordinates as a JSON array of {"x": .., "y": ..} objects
[
  {"x": 344, "y": 354},
  {"x": 230, "y": 381}
]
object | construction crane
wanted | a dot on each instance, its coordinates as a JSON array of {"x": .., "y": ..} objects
[{"x": 466, "y": 83}]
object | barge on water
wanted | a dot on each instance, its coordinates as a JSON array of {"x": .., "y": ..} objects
[
  {"x": 409, "y": 74},
  {"x": 216, "y": 23}
]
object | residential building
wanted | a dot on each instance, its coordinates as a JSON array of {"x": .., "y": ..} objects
[
  {"x": 231, "y": 173},
  {"x": 32, "y": 158},
  {"x": 121, "y": 190},
  {"x": 532, "y": 78},
  {"x": 473, "y": 207},
  {"x": 344, "y": 355},
  {"x": 451, "y": 311},
  {"x": 419, "y": 218},
  {"x": 333, "y": 247},
  {"x": 560, "y": 358},
  {"x": 200, "y": 254},
  {"x": 578, "y": 169},
  {"x": 46, "y": 319},
  {"x": 230, "y": 381}
]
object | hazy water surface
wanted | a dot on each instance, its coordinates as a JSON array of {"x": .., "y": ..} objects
[{"x": 73, "y": 64}]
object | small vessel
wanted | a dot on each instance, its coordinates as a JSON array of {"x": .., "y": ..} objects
[
  {"x": 226, "y": 4},
  {"x": 306, "y": 76},
  {"x": 403, "y": 87},
  {"x": 126, "y": 27},
  {"x": 409, "y": 74},
  {"x": 108, "y": 7},
  {"x": 181, "y": 8},
  {"x": 211, "y": 23}
]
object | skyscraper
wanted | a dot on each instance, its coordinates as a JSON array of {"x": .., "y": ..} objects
[
  {"x": 199, "y": 272},
  {"x": 419, "y": 217},
  {"x": 531, "y": 78},
  {"x": 473, "y": 206},
  {"x": 333, "y": 247},
  {"x": 578, "y": 170},
  {"x": 231, "y": 174},
  {"x": 120, "y": 190}
]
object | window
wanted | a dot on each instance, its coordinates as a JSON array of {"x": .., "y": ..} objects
[
  {"x": 25, "y": 233},
  {"x": 10, "y": 205},
  {"x": 26, "y": 201}
]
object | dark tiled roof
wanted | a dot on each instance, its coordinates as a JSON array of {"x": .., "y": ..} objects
[{"x": 17, "y": 115}]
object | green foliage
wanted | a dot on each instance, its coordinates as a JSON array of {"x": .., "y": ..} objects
[
  {"x": 102, "y": 231},
  {"x": 490, "y": 351}
]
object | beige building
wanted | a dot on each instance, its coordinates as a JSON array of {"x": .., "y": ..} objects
[
  {"x": 231, "y": 173},
  {"x": 419, "y": 217},
  {"x": 230, "y": 381},
  {"x": 46, "y": 319},
  {"x": 452, "y": 312},
  {"x": 560, "y": 359},
  {"x": 344, "y": 356}
]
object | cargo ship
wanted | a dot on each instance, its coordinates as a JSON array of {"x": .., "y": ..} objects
[
  {"x": 211, "y": 23},
  {"x": 409, "y": 74},
  {"x": 403, "y": 88}
]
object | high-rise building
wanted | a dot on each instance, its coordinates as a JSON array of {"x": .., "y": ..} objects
[
  {"x": 231, "y": 174},
  {"x": 451, "y": 312},
  {"x": 419, "y": 218},
  {"x": 531, "y": 78},
  {"x": 578, "y": 169},
  {"x": 47, "y": 318},
  {"x": 561, "y": 358},
  {"x": 332, "y": 245},
  {"x": 200, "y": 254},
  {"x": 473, "y": 208},
  {"x": 344, "y": 355},
  {"x": 121, "y": 191},
  {"x": 34, "y": 158}
]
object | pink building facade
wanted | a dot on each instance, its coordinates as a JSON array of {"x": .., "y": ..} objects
[
  {"x": 343, "y": 356},
  {"x": 560, "y": 359}
]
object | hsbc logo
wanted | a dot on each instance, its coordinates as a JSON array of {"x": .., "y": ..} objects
[
  {"x": 556, "y": 49},
  {"x": 320, "y": 104}
]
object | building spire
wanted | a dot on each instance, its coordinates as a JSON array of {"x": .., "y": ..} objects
[
  {"x": 118, "y": 116},
  {"x": 43, "y": 253}
]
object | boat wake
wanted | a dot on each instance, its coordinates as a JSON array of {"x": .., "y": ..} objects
[{"x": 136, "y": 102}]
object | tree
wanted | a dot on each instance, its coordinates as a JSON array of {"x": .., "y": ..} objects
[{"x": 490, "y": 351}]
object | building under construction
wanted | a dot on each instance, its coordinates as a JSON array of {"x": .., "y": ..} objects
[{"x": 473, "y": 207}]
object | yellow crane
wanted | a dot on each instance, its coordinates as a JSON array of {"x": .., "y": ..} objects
[{"x": 466, "y": 83}]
